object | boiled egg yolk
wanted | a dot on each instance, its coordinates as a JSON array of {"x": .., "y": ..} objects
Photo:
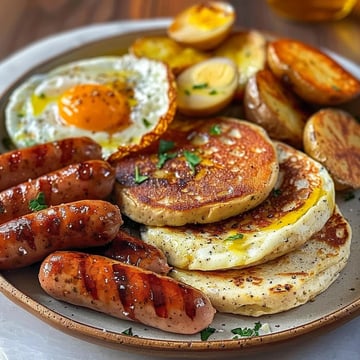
[
  {"x": 95, "y": 107},
  {"x": 207, "y": 17}
]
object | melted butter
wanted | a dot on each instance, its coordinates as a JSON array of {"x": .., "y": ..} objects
[
  {"x": 243, "y": 244},
  {"x": 40, "y": 102}
]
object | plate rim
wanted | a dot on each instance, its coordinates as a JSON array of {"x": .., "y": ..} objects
[{"x": 93, "y": 333}]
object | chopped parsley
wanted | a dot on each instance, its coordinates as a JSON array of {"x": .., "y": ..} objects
[
  {"x": 138, "y": 177},
  {"x": 238, "y": 236},
  {"x": 200, "y": 86},
  {"x": 128, "y": 332},
  {"x": 38, "y": 203},
  {"x": 206, "y": 333},
  {"x": 349, "y": 196},
  {"x": 276, "y": 192},
  {"x": 163, "y": 154},
  {"x": 192, "y": 159},
  {"x": 146, "y": 122},
  {"x": 213, "y": 92},
  {"x": 215, "y": 130},
  {"x": 247, "y": 332}
]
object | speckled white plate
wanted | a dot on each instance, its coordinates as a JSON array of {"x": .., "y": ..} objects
[{"x": 336, "y": 305}]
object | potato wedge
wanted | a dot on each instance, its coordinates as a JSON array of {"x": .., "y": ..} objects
[
  {"x": 204, "y": 25},
  {"x": 312, "y": 74},
  {"x": 164, "y": 49},
  {"x": 269, "y": 104},
  {"x": 248, "y": 51},
  {"x": 332, "y": 137}
]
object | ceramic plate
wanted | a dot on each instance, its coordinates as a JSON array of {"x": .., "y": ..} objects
[{"x": 339, "y": 303}]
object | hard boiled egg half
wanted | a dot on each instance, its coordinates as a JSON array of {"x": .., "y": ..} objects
[
  {"x": 203, "y": 26},
  {"x": 207, "y": 87},
  {"x": 123, "y": 103}
]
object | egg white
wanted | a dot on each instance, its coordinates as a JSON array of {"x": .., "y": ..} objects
[{"x": 148, "y": 79}]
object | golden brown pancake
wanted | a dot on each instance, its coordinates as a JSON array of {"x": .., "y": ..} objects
[
  {"x": 280, "y": 284},
  {"x": 301, "y": 202},
  {"x": 215, "y": 169}
]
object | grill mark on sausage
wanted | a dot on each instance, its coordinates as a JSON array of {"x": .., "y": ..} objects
[
  {"x": 39, "y": 153},
  {"x": 157, "y": 294},
  {"x": 189, "y": 301},
  {"x": 125, "y": 294},
  {"x": 14, "y": 161},
  {"x": 89, "y": 282}
]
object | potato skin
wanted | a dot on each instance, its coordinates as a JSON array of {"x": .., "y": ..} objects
[
  {"x": 312, "y": 74},
  {"x": 332, "y": 137},
  {"x": 269, "y": 104}
]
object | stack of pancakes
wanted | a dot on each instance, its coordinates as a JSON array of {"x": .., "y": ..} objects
[{"x": 251, "y": 222}]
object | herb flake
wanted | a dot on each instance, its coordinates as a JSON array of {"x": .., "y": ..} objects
[
  {"x": 192, "y": 159},
  {"x": 200, "y": 86},
  {"x": 138, "y": 177},
  {"x": 215, "y": 130},
  {"x": 237, "y": 236},
  {"x": 38, "y": 203},
  {"x": 247, "y": 332},
  {"x": 206, "y": 333}
]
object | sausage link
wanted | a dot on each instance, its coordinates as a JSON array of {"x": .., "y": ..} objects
[
  {"x": 29, "y": 238},
  {"x": 93, "y": 179},
  {"x": 21, "y": 165},
  {"x": 131, "y": 250},
  {"x": 125, "y": 291}
]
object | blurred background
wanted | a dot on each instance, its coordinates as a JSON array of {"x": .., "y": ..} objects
[{"x": 25, "y": 21}]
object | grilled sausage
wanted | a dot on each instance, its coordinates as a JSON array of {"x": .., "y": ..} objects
[
  {"x": 125, "y": 291},
  {"x": 29, "y": 238},
  {"x": 93, "y": 179},
  {"x": 133, "y": 251},
  {"x": 21, "y": 165}
]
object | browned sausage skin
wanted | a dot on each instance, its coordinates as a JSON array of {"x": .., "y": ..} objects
[
  {"x": 131, "y": 250},
  {"x": 125, "y": 291},
  {"x": 21, "y": 165},
  {"x": 29, "y": 238},
  {"x": 93, "y": 179}
]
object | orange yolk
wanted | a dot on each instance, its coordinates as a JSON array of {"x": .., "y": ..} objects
[{"x": 95, "y": 107}]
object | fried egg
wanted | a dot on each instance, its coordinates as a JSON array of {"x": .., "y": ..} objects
[{"x": 116, "y": 101}]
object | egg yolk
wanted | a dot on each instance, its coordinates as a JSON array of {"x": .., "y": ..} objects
[
  {"x": 207, "y": 17},
  {"x": 95, "y": 107}
]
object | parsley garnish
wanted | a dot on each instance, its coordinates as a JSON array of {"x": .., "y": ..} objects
[
  {"x": 247, "y": 332},
  {"x": 200, "y": 86},
  {"x": 187, "y": 92},
  {"x": 238, "y": 236},
  {"x": 138, "y": 177},
  {"x": 146, "y": 122},
  {"x": 349, "y": 196},
  {"x": 276, "y": 192},
  {"x": 213, "y": 92},
  {"x": 38, "y": 203},
  {"x": 42, "y": 96},
  {"x": 192, "y": 159},
  {"x": 128, "y": 332},
  {"x": 164, "y": 147},
  {"x": 206, "y": 333},
  {"x": 215, "y": 130}
]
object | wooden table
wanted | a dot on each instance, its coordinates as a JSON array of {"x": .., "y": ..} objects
[{"x": 24, "y": 21}]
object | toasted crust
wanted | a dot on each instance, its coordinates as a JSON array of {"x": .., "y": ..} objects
[
  {"x": 300, "y": 204},
  {"x": 269, "y": 104},
  {"x": 283, "y": 283},
  {"x": 332, "y": 137},
  {"x": 162, "y": 48},
  {"x": 236, "y": 171},
  {"x": 247, "y": 49},
  {"x": 312, "y": 74}
]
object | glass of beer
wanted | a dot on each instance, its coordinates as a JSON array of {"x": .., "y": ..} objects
[{"x": 312, "y": 10}]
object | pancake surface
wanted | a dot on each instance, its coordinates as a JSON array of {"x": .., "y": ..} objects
[
  {"x": 300, "y": 204},
  {"x": 211, "y": 170},
  {"x": 283, "y": 283}
]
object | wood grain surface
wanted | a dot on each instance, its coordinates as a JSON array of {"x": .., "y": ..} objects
[{"x": 25, "y": 21}]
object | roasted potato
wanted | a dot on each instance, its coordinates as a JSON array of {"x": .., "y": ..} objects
[
  {"x": 248, "y": 51},
  {"x": 164, "y": 49},
  {"x": 332, "y": 137},
  {"x": 269, "y": 104},
  {"x": 312, "y": 74},
  {"x": 203, "y": 26},
  {"x": 207, "y": 87}
]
